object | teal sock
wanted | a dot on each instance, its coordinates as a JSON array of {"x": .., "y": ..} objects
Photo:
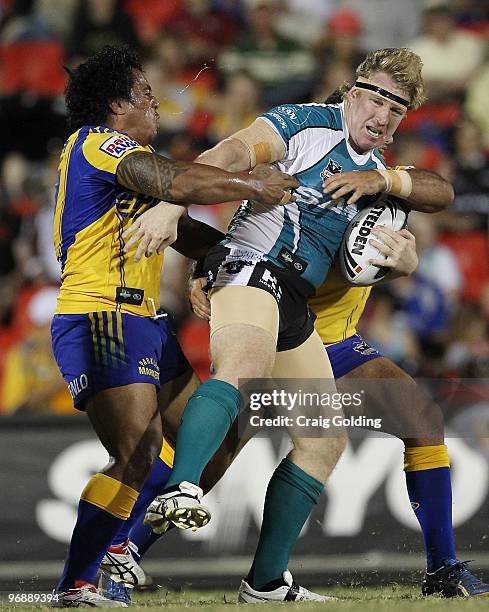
[
  {"x": 209, "y": 414},
  {"x": 291, "y": 497}
]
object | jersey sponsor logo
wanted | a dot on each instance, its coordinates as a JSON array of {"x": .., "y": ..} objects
[
  {"x": 129, "y": 295},
  {"x": 365, "y": 349},
  {"x": 271, "y": 283},
  {"x": 365, "y": 229},
  {"x": 332, "y": 167},
  {"x": 116, "y": 146}
]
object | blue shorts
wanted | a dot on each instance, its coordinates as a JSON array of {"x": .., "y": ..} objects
[
  {"x": 101, "y": 350},
  {"x": 349, "y": 354}
]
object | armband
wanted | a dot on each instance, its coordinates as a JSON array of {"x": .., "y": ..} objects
[
  {"x": 398, "y": 182},
  {"x": 262, "y": 141}
]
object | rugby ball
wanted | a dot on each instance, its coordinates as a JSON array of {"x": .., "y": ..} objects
[{"x": 355, "y": 250}]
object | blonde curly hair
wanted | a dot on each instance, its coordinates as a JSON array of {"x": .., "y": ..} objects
[{"x": 402, "y": 65}]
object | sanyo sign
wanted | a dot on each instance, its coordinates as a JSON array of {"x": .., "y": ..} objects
[{"x": 238, "y": 499}]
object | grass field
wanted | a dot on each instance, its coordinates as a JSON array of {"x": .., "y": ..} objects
[{"x": 381, "y": 599}]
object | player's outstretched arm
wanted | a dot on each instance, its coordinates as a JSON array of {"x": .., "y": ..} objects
[
  {"x": 182, "y": 182},
  {"x": 256, "y": 144},
  {"x": 422, "y": 190}
]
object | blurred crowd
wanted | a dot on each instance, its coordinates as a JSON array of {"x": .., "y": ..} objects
[{"x": 214, "y": 66}]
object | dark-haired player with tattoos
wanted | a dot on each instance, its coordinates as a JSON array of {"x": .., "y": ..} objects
[{"x": 113, "y": 347}]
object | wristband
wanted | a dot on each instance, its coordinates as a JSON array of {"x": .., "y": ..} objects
[{"x": 397, "y": 182}]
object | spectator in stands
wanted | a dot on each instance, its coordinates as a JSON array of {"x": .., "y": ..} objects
[
  {"x": 31, "y": 380},
  {"x": 98, "y": 23},
  {"x": 387, "y": 23},
  {"x": 151, "y": 17},
  {"x": 468, "y": 353},
  {"x": 284, "y": 69},
  {"x": 178, "y": 88},
  {"x": 304, "y": 20},
  {"x": 470, "y": 173},
  {"x": 437, "y": 263},
  {"x": 59, "y": 15},
  {"x": 14, "y": 170},
  {"x": 476, "y": 101},
  {"x": 31, "y": 78},
  {"x": 237, "y": 107},
  {"x": 338, "y": 52},
  {"x": 205, "y": 30},
  {"x": 450, "y": 56}
]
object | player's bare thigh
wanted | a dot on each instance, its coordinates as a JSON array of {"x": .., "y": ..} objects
[
  {"x": 244, "y": 331},
  {"x": 394, "y": 395}
]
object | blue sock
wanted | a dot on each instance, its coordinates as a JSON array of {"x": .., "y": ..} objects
[
  {"x": 210, "y": 412},
  {"x": 104, "y": 506},
  {"x": 143, "y": 537},
  {"x": 430, "y": 493},
  {"x": 154, "y": 485}
]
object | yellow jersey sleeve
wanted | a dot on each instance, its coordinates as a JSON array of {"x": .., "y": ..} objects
[{"x": 105, "y": 150}]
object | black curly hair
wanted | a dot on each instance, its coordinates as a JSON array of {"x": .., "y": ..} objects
[{"x": 94, "y": 84}]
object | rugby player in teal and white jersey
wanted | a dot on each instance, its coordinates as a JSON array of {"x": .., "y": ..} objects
[{"x": 263, "y": 274}]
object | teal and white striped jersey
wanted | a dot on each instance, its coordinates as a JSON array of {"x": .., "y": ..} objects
[{"x": 308, "y": 232}]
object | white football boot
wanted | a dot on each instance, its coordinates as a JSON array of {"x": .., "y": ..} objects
[
  {"x": 181, "y": 507},
  {"x": 85, "y": 596},
  {"x": 290, "y": 591},
  {"x": 120, "y": 564}
]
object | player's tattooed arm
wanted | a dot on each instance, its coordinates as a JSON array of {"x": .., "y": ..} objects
[
  {"x": 186, "y": 183},
  {"x": 150, "y": 174}
]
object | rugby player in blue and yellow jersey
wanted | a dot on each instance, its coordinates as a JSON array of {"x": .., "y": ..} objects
[{"x": 112, "y": 345}]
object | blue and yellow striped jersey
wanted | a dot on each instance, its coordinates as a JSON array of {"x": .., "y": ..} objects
[
  {"x": 338, "y": 307},
  {"x": 92, "y": 212}
]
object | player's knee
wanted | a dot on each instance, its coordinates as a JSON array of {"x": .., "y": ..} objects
[
  {"x": 247, "y": 365},
  {"x": 322, "y": 451}
]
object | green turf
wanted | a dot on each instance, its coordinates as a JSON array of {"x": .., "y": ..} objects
[{"x": 381, "y": 599}]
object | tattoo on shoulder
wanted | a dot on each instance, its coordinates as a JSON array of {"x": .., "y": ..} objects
[{"x": 150, "y": 174}]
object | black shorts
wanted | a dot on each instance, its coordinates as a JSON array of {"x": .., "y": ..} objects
[{"x": 238, "y": 266}]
